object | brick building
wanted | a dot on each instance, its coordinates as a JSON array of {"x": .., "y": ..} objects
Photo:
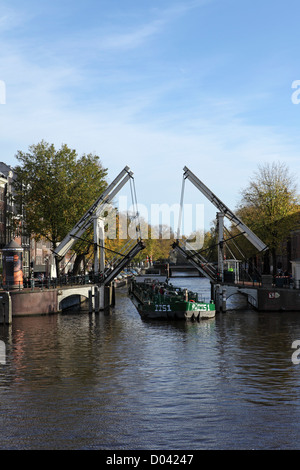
[
  {"x": 11, "y": 220},
  {"x": 3, "y": 186},
  {"x": 37, "y": 255}
]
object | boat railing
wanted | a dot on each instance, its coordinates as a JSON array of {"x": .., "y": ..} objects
[{"x": 163, "y": 292}]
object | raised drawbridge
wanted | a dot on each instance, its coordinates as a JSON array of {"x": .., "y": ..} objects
[
  {"x": 95, "y": 216},
  {"x": 214, "y": 272}
]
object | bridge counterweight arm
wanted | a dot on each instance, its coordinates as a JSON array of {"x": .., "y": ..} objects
[
  {"x": 127, "y": 258},
  {"x": 105, "y": 198},
  {"x": 259, "y": 244},
  {"x": 197, "y": 261}
]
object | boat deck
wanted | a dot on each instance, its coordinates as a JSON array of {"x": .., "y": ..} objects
[{"x": 162, "y": 300}]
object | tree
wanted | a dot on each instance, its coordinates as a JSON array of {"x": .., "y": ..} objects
[
  {"x": 55, "y": 188},
  {"x": 268, "y": 204}
]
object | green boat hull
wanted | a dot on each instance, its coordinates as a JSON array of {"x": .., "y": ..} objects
[{"x": 167, "y": 306}]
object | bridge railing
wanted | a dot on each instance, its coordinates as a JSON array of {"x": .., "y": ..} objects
[
  {"x": 283, "y": 282},
  {"x": 286, "y": 282},
  {"x": 53, "y": 283}
]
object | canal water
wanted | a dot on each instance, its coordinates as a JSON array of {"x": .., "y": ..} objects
[{"x": 96, "y": 381}]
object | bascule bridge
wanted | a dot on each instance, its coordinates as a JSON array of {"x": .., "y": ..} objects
[
  {"x": 96, "y": 217},
  {"x": 262, "y": 295},
  {"x": 221, "y": 286}
]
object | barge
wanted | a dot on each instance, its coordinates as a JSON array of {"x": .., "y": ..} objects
[{"x": 163, "y": 301}]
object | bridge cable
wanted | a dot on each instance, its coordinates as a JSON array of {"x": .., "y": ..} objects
[
  {"x": 100, "y": 246},
  {"x": 135, "y": 206},
  {"x": 236, "y": 246},
  {"x": 74, "y": 252},
  {"x": 180, "y": 209}
]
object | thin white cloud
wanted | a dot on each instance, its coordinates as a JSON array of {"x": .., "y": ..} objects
[
  {"x": 132, "y": 39},
  {"x": 150, "y": 118},
  {"x": 12, "y": 18},
  {"x": 133, "y": 33}
]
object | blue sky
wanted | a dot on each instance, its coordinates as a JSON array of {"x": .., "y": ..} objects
[{"x": 155, "y": 85}]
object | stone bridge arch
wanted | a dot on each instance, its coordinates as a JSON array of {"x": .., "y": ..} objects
[{"x": 72, "y": 296}]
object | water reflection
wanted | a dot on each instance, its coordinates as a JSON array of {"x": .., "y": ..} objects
[{"x": 82, "y": 381}]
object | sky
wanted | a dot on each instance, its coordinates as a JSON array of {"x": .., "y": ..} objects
[{"x": 155, "y": 85}]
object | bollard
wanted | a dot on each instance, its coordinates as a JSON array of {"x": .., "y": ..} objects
[
  {"x": 96, "y": 299},
  {"x": 90, "y": 301},
  {"x": 224, "y": 300},
  {"x": 113, "y": 294},
  {"x": 217, "y": 297},
  {"x": 5, "y": 308}
]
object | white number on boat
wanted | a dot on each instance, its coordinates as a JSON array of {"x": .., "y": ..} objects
[{"x": 162, "y": 308}]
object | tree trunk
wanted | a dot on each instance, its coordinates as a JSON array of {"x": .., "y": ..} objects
[
  {"x": 77, "y": 262},
  {"x": 266, "y": 267},
  {"x": 274, "y": 261}
]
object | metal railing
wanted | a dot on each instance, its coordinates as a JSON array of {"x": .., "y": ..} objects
[
  {"x": 53, "y": 283},
  {"x": 283, "y": 282},
  {"x": 286, "y": 282}
]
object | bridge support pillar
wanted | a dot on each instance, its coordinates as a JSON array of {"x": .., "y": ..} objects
[
  {"x": 5, "y": 308},
  {"x": 102, "y": 298},
  {"x": 95, "y": 301},
  {"x": 90, "y": 301},
  {"x": 220, "y": 225},
  {"x": 218, "y": 294},
  {"x": 223, "y": 300},
  {"x": 109, "y": 295}
]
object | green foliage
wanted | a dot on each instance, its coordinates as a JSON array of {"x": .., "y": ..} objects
[
  {"x": 157, "y": 240},
  {"x": 270, "y": 205},
  {"x": 55, "y": 188}
]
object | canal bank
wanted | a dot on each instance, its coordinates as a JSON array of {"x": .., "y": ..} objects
[
  {"x": 46, "y": 301},
  {"x": 31, "y": 302},
  {"x": 267, "y": 295}
]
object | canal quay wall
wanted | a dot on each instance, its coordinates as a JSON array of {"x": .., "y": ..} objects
[
  {"x": 275, "y": 298},
  {"x": 278, "y": 299},
  {"x": 34, "y": 302},
  {"x": 263, "y": 297},
  {"x": 27, "y": 302}
]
